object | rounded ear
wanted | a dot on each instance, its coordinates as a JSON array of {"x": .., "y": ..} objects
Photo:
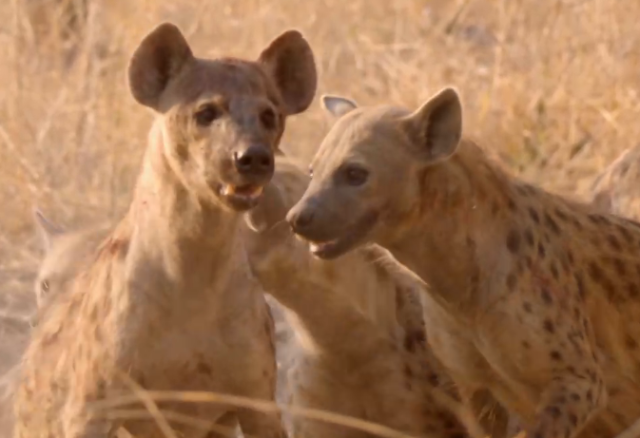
[
  {"x": 47, "y": 230},
  {"x": 337, "y": 106},
  {"x": 159, "y": 58},
  {"x": 289, "y": 61},
  {"x": 436, "y": 127}
]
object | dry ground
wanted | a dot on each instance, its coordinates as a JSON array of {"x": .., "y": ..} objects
[{"x": 551, "y": 84}]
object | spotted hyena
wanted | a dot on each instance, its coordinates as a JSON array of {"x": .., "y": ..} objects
[
  {"x": 616, "y": 188},
  {"x": 532, "y": 297},
  {"x": 167, "y": 300},
  {"x": 359, "y": 347}
]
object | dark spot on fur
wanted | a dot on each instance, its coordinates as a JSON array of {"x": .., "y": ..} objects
[
  {"x": 561, "y": 215},
  {"x": 553, "y": 226},
  {"x": 634, "y": 291},
  {"x": 541, "y": 251},
  {"x": 534, "y": 215},
  {"x": 619, "y": 266},
  {"x": 554, "y": 271},
  {"x": 526, "y": 344},
  {"x": 576, "y": 223},
  {"x": 511, "y": 204},
  {"x": 528, "y": 235},
  {"x": 589, "y": 396},
  {"x": 555, "y": 355},
  {"x": 548, "y": 326},
  {"x": 512, "y": 281},
  {"x": 204, "y": 368},
  {"x": 513, "y": 241},
  {"x": 631, "y": 343},
  {"x": 407, "y": 371},
  {"x": 575, "y": 397},
  {"x": 413, "y": 340},
  {"x": 527, "y": 307},
  {"x": 546, "y": 296},
  {"x": 613, "y": 241},
  {"x": 628, "y": 237},
  {"x": 595, "y": 272},
  {"x": 553, "y": 411},
  {"x": 580, "y": 284},
  {"x": 573, "y": 419}
]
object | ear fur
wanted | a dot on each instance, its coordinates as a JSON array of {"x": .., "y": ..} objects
[
  {"x": 337, "y": 106},
  {"x": 436, "y": 127},
  {"x": 47, "y": 230},
  {"x": 159, "y": 58},
  {"x": 289, "y": 60}
]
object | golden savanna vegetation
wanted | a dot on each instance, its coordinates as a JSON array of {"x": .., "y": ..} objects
[{"x": 551, "y": 85}]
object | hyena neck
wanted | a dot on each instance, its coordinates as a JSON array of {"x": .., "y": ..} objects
[
  {"x": 457, "y": 229},
  {"x": 193, "y": 242}
]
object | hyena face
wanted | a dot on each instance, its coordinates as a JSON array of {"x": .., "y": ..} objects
[
  {"x": 221, "y": 120},
  {"x": 367, "y": 175}
]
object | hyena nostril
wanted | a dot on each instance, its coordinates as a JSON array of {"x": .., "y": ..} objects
[{"x": 255, "y": 160}]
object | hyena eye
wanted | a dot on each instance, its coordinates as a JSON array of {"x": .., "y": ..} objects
[
  {"x": 44, "y": 285},
  {"x": 268, "y": 118},
  {"x": 206, "y": 115},
  {"x": 356, "y": 175},
  {"x": 310, "y": 172}
]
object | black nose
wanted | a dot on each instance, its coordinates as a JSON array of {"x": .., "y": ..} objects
[
  {"x": 301, "y": 220},
  {"x": 255, "y": 160}
]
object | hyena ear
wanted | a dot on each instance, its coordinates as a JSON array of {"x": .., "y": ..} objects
[
  {"x": 289, "y": 61},
  {"x": 159, "y": 58},
  {"x": 47, "y": 230},
  {"x": 435, "y": 129},
  {"x": 337, "y": 106}
]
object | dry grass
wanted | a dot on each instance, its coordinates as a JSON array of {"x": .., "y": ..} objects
[{"x": 551, "y": 84}]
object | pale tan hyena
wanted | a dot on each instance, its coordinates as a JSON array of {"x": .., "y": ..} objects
[
  {"x": 168, "y": 298},
  {"x": 533, "y": 298},
  {"x": 616, "y": 189},
  {"x": 65, "y": 253},
  {"x": 359, "y": 347}
]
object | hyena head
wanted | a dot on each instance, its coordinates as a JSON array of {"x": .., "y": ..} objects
[
  {"x": 220, "y": 120},
  {"x": 369, "y": 172}
]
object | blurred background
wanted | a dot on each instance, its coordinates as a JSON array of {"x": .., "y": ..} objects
[{"x": 551, "y": 85}]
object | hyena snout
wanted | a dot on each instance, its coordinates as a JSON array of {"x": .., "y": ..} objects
[
  {"x": 256, "y": 161},
  {"x": 300, "y": 219}
]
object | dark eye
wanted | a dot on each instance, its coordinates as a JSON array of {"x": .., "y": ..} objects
[
  {"x": 44, "y": 285},
  {"x": 355, "y": 175},
  {"x": 310, "y": 172},
  {"x": 206, "y": 115},
  {"x": 268, "y": 118}
]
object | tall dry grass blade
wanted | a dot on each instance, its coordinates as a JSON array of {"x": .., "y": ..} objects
[
  {"x": 151, "y": 406},
  {"x": 102, "y": 408}
]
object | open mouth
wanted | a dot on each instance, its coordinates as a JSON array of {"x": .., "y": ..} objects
[
  {"x": 353, "y": 236},
  {"x": 243, "y": 197}
]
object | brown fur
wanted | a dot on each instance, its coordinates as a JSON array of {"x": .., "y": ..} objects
[
  {"x": 533, "y": 298},
  {"x": 167, "y": 298},
  {"x": 616, "y": 188},
  {"x": 360, "y": 347}
]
